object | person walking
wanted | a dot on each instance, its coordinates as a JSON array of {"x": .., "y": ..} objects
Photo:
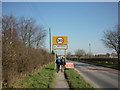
[
  {"x": 63, "y": 64},
  {"x": 58, "y": 63}
]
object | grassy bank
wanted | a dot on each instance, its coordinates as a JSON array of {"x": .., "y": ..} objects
[
  {"x": 75, "y": 80},
  {"x": 43, "y": 79}
]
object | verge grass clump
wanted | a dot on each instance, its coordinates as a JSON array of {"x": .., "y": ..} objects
[
  {"x": 75, "y": 80},
  {"x": 45, "y": 78}
]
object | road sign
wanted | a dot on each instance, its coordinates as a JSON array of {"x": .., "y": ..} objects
[
  {"x": 60, "y": 47},
  {"x": 69, "y": 65},
  {"x": 60, "y": 40}
]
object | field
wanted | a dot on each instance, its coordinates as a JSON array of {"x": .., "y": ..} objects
[{"x": 105, "y": 64}]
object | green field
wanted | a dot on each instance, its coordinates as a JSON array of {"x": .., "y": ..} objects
[
  {"x": 109, "y": 65},
  {"x": 75, "y": 80},
  {"x": 45, "y": 78}
]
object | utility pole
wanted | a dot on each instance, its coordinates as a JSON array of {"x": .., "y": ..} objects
[
  {"x": 89, "y": 49},
  {"x": 118, "y": 45},
  {"x": 50, "y": 38},
  {"x": 65, "y": 54}
]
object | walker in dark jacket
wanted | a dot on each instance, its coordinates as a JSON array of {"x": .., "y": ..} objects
[
  {"x": 63, "y": 64},
  {"x": 58, "y": 63}
]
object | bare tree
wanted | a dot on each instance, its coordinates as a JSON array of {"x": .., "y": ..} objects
[
  {"x": 9, "y": 27},
  {"x": 69, "y": 54},
  {"x": 111, "y": 39},
  {"x": 89, "y": 54},
  {"x": 23, "y": 24},
  {"x": 30, "y": 33},
  {"x": 79, "y": 52},
  {"x": 39, "y": 39},
  {"x": 26, "y": 30}
]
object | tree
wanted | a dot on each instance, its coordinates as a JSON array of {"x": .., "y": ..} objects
[
  {"x": 25, "y": 30},
  {"x": 111, "y": 39},
  {"x": 30, "y": 33},
  {"x": 79, "y": 52},
  {"x": 108, "y": 54},
  {"x": 9, "y": 28},
  {"x": 39, "y": 39},
  {"x": 69, "y": 54},
  {"x": 113, "y": 55}
]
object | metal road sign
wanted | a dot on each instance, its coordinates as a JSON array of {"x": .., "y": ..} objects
[
  {"x": 60, "y": 47},
  {"x": 59, "y": 42}
]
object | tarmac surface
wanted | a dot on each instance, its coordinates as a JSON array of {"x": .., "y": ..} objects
[{"x": 98, "y": 76}]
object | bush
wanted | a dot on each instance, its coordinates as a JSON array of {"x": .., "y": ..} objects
[
  {"x": 21, "y": 52},
  {"x": 19, "y": 60}
]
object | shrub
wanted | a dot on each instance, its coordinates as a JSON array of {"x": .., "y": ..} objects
[{"x": 19, "y": 60}]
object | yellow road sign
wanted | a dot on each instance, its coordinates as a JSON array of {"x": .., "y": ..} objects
[{"x": 60, "y": 40}]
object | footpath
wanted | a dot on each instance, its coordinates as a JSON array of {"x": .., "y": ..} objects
[{"x": 61, "y": 81}]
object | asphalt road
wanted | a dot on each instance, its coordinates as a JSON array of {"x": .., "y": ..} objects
[{"x": 97, "y": 76}]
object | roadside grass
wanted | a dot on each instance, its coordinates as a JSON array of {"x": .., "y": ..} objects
[
  {"x": 109, "y": 65},
  {"x": 75, "y": 80},
  {"x": 45, "y": 78}
]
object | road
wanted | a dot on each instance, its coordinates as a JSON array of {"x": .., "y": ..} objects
[{"x": 97, "y": 76}]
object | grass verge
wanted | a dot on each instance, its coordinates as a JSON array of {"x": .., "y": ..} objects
[
  {"x": 45, "y": 78},
  {"x": 75, "y": 80}
]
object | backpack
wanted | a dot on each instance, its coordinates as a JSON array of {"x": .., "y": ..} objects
[{"x": 58, "y": 60}]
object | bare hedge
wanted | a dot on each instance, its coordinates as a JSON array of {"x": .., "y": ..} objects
[
  {"x": 19, "y": 60},
  {"x": 113, "y": 60}
]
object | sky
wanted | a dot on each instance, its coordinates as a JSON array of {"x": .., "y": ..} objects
[{"x": 82, "y": 22}]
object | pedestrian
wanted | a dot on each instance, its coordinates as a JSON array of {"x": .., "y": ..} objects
[
  {"x": 63, "y": 63},
  {"x": 58, "y": 63}
]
